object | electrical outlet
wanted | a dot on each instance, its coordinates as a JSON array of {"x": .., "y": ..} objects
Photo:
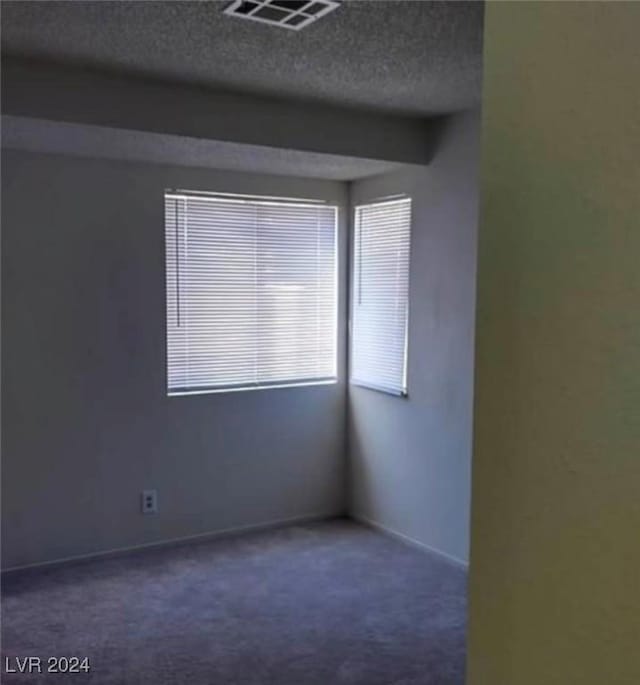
[{"x": 149, "y": 501}]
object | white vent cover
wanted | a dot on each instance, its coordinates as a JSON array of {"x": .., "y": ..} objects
[{"x": 290, "y": 14}]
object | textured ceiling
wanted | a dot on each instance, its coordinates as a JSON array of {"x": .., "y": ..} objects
[{"x": 409, "y": 57}]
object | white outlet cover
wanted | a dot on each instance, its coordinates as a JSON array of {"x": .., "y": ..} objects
[{"x": 149, "y": 501}]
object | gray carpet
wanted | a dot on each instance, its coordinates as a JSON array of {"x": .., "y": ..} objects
[{"x": 327, "y": 603}]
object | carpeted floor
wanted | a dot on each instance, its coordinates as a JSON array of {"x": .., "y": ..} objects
[{"x": 319, "y": 604}]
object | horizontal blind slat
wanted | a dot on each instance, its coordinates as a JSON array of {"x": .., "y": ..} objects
[
  {"x": 251, "y": 292},
  {"x": 380, "y": 295}
]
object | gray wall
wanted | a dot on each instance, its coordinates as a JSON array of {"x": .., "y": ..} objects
[
  {"x": 84, "y": 97},
  {"x": 87, "y": 423},
  {"x": 410, "y": 457}
]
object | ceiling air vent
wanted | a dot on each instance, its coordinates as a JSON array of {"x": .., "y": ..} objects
[{"x": 290, "y": 14}]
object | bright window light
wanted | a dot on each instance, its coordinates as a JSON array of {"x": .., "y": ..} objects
[
  {"x": 380, "y": 290},
  {"x": 251, "y": 292}
]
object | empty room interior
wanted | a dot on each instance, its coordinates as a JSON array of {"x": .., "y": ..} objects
[{"x": 320, "y": 342}]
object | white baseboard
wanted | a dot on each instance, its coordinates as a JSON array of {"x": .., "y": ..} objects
[
  {"x": 184, "y": 540},
  {"x": 408, "y": 540}
]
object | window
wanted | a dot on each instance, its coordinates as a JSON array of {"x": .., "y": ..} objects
[
  {"x": 251, "y": 292},
  {"x": 380, "y": 295}
]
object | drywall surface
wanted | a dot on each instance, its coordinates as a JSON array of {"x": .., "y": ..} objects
[
  {"x": 555, "y": 553},
  {"x": 86, "y": 418},
  {"x": 410, "y": 457},
  {"x": 91, "y": 98},
  {"x": 99, "y": 142}
]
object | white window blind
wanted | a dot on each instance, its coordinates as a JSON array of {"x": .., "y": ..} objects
[
  {"x": 379, "y": 313},
  {"x": 251, "y": 292}
]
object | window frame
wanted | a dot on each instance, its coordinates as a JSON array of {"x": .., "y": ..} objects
[
  {"x": 245, "y": 198},
  {"x": 394, "y": 392}
]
